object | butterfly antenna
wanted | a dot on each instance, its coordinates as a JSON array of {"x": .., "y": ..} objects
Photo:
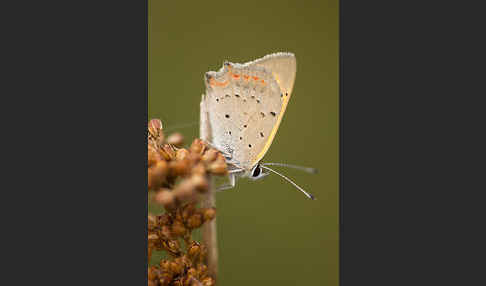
[
  {"x": 290, "y": 181},
  {"x": 305, "y": 169}
]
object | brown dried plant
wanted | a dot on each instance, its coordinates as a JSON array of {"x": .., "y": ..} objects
[{"x": 179, "y": 179}]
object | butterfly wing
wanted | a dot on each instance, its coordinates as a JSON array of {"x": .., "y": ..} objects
[
  {"x": 283, "y": 67},
  {"x": 244, "y": 104}
]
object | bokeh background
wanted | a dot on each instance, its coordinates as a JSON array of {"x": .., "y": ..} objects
[{"x": 268, "y": 232}]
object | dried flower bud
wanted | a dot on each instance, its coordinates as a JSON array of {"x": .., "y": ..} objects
[
  {"x": 185, "y": 191},
  {"x": 210, "y": 155},
  {"x": 152, "y": 221},
  {"x": 218, "y": 168},
  {"x": 153, "y": 157},
  {"x": 202, "y": 270},
  {"x": 155, "y": 129},
  {"x": 172, "y": 246},
  {"x": 180, "y": 168},
  {"x": 166, "y": 232},
  {"x": 187, "y": 211},
  {"x": 182, "y": 154},
  {"x": 192, "y": 271},
  {"x": 194, "y": 250},
  {"x": 151, "y": 146},
  {"x": 197, "y": 146},
  {"x": 164, "y": 219},
  {"x": 164, "y": 265},
  {"x": 167, "y": 152},
  {"x": 159, "y": 174},
  {"x": 176, "y": 139},
  {"x": 152, "y": 274},
  {"x": 204, "y": 252},
  {"x": 220, "y": 158},
  {"x": 186, "y": 261},
  {"x": 155, "y": 126},
  {"x": 208, "y": 281},
  {"x": 195, "y": 221},
  {"x": 200, "y": 183},
  {"x": 209, "y": 214},
  {"x": 151, "y": 179},
  {"x": 199, "y": 169},
  {"x": 194, "y": 158},
  {"x": 153, "y": 237},
  {"x": 176, "y": 268},
  {"x": 178, "y": 228},
  {"x": 165, "y": 279},
  {"x": 190, "y": 280},
  {"x": 165, "y": 198}
]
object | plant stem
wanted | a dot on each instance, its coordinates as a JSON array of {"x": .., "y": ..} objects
[{"x": 210, "y": 234}]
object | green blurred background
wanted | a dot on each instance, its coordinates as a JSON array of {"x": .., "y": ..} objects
[{"x": 269, "y": 233}]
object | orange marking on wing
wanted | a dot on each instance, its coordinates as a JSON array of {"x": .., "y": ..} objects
[
  {"x": 246, "y": 77},
  {"x": 235, "y": 76},
  {"x": 255, "y": 77},
  {"x": 263, "y": 81},
  {"x": 217, "y": 83}
]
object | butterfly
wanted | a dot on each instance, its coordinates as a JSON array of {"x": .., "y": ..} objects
[{"x": 242, "y": 109}]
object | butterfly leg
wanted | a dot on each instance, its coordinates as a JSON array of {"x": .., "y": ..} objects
[
  {"x": 232, "y": 180},
  {"x": 230, "y": 185}
]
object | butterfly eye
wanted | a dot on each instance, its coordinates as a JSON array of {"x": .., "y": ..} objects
[{"x": 256, "y": 171}]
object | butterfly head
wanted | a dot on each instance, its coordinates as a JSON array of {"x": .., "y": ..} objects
[{"x": 257, "y": 172}]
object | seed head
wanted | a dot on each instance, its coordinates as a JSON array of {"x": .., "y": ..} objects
[{"x": 177, "y": 179}]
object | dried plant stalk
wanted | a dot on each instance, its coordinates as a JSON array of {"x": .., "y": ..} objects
[{"x": 210, "y": 238}]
